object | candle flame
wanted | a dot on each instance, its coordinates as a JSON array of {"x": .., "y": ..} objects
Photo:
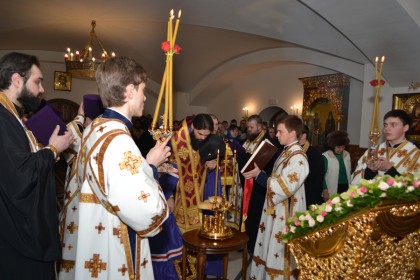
[
  {"x": 179, "y": 14},
  {"x": 383, "y": 59},
  {"x": 376, "y": 59}
]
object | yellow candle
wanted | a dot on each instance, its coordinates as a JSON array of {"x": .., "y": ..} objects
[
  {"x": 171, "y": 119},
  {"x": 176, "y": 27},
  {"x": 380, "y": 71},
  {"x": 376, "y": 68},
  {"x": 217, "y": 174},
  {"x": 159, "y": 101},
  {"x": 171, "y": 17}
]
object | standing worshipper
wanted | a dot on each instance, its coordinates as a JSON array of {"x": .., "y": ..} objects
[
  {"x": 29, "y": 238},
  {"x": 314, "y": 181},
  {"x": 254, "y": 194},
  {"x": 285, "y": 196},
  {"x": 337, "y": 164},
  {"x": 121, "y": 202},
  {"x": 396, "y": 155}
]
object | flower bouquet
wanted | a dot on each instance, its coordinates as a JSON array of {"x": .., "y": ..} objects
[{"x": 367, "y": 194}]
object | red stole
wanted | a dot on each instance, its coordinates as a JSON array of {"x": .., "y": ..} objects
[{"x": 192, "y": 176}]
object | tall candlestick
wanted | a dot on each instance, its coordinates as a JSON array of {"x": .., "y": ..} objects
[
  {"x": 376, "y": 68},
  {"x": 216, "y": 188},
  {"x": 159, "y": 101},
  {"x": 170, "y": 112},
  {"x": 380, "y": 71}
]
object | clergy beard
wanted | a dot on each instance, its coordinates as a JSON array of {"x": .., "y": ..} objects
[
  {"x": 29, "y": 102},
  {"x": 195, "y": 143},
  {"x": 252, "y": 137}
]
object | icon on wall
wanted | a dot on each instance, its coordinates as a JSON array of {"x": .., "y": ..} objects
[{"x": 62, "y": 81}]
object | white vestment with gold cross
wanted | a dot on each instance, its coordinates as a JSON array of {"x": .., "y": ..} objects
[
  {"x": 285, "y": 196},
  {"x": 69, "y": 213},
  {"x": 405, "y": 158},
  {"x": 118, "y": 190}
]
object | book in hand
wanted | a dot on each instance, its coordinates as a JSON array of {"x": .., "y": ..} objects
[
  {"x": 43, "y": 123},
  {"x": 262, "y": 156}
]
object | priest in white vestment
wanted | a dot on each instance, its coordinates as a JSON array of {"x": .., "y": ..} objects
[{"x": 285, "y": 196}]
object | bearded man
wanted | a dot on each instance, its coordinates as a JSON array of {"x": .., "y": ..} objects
[
  {"x": 254, "y": 195},
  {"x": 29, "y": 238}
]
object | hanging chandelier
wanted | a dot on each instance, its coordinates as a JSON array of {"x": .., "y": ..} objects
[{"x": 84, "y": 64}]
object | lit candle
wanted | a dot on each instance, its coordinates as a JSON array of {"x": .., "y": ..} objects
[
  {"x": 376, "y": 68},
  {"x": 71, "y": 56},
  {"x": 380, "y": 71},
  {"x": 171, "y": 17},
  {"x": 90, "y": 53},
  {"x": 66, "y": 57},
  {"x": 103, "y": 56},
  {"x": 176, "y": 27},
  {"x": 113, "y": 54},
  {"x": 93, "y": 59},
  {"x": 77, "y": 55},
  {"x": 68, "y": 52}
]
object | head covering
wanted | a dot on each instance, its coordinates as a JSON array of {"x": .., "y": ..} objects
[
  {"x": 43, "y": 123},
  {"x": 208, "y": 149},
  {"x": 338, "y": 138},
  {"x": 92, "y": 106},
  {"x": 46, "y": 103}
]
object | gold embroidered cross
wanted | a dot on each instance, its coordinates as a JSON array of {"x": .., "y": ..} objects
[
  {"x": 95, "y": 266},
  {"x": 183, "y": 153},
  {"x": 101, "y": 129},
  {"x": 293, "y": 177},
  {"x": 278, "y": 237},
  {"x": 274, "y": 215},
  {"x": 262, "y": 227},
  {"x": 117, "y": 232},
  {"x": 72, "y": 227},
  {"x": 143, "y": 196},
  {"x": 144, "y": 263},
  {"x": 100, "y": 228},
  {"x": 123, "y": 269},
  {"x": 402, "y": 153},
  {"x": 131, "y": 163},
  {"x": 69, "y": 247}
]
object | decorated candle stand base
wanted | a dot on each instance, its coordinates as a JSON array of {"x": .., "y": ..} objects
[
  {"x": 215, "y": 227},
  {"x": 160, "y": 134}
]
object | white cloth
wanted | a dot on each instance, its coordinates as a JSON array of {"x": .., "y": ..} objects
[
  {"x": 333, "y": 170},
  {"x": 285, "y": 195},
  {"x": 118, "y": 191},
  {"x": 405, "y": 159},
  {"x": 69, "y": 214}
]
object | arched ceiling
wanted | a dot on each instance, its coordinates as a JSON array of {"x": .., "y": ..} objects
[{"x": 215, "y": 33}]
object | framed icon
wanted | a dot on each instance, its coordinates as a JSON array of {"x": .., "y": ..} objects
[
  {"x": 409, "y": 102},
  {"x": 62, "y": 81}
]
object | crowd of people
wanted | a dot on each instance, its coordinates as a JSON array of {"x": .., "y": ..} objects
[{"x": 129, "y": 198}]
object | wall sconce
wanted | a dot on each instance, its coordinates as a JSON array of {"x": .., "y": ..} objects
[
  {"x": 245, "y": 109},
  {"x": 294, "y": 110}
]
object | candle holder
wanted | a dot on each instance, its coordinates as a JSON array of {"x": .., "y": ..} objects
[
  {"x": 374, "y": 133},
  {"x": 170, "y": 48},
  {"x": 215, "y": 227}
]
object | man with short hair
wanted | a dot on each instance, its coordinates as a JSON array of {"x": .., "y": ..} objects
[
  {"x": 285, "y": 196},
  {"x": 395, "y": 156},
  {"x": 121, "y": 202},
  {"x": 29, "y": 238}
]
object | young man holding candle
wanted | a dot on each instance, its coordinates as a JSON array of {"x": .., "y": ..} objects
[
  {"x": 285, "y": 196},
  {"x": 121, "y": 202},
  {"x": 395, "y": 156}
]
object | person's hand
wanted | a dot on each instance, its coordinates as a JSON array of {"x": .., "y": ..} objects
[
  {"x": 159, "y": 153},
  {"x": 60, "y": 142},
  {"x": 171, "y": 204},
  {"x": 383, "y": 164},
  {"x": 373, "y": 165},
  {"x": 326, "y": 195},
  {"x": 81, "y": 110},
  {"x": 211, "y": 164},
  {"x": 253, "y": 173}
]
